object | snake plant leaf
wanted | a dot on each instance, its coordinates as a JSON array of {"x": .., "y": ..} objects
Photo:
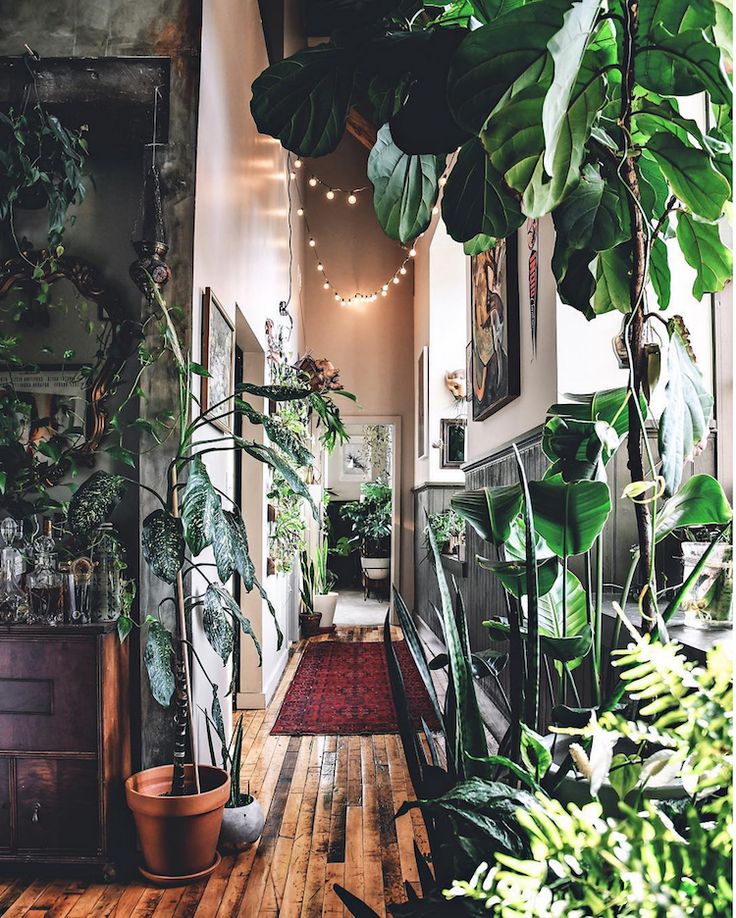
[
  {"x": 476, "y": 203},
  {"x": 94, "y": 500},
  {"x": 659, "y": 272},
  {"x": 570, "y": 515},
  {"x": 489, "y": 511},
  {"x": 304, "y": 99},
  {"x": 566, "y": 47},
  {"x": 513, "y": 574},
  {"x": 162, "y": 541},
  {"x": 492, "y": 58},
  {"x": 413, "y": 642},
  {"x": 700, "y": 501},
  {"x": 682, "y": 65},
  {"x": 218, "y": 627},
  {"x": 688, "y": 410},
  {"x": 159, "y": 661},
  {"x": 612, "y": 272},
  {"x": 704, "y": 251},
  {"x": 692, "y": 175},
  {"x": 228, "y": 604},
  {"x": 270, "y": 457},
  {"x": 200, "y": 504},
  {"x": 355, "y": 906},
  {"x": 405, "y": 187}
]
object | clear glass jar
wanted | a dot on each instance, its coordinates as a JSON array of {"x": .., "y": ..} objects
[
  {"x": 107, "y": 558},
  {"x": 14, "y": 607},
  {"x": 79, "y": 601},
  {"x": 709, "y": 602},
  {"x": 46, "y": 588}
]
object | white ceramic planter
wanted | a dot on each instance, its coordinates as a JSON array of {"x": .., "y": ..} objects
[
  {"x": 241, "y": 826},
  {"x": 325, "y": 604},
  {"x": 376, "y": 568}
]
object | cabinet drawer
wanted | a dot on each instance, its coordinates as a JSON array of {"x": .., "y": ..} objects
[
  {"x": 5, "y": 833},
  {"x": 48, "y": 695},
  {"x": 57, "y": 805}
]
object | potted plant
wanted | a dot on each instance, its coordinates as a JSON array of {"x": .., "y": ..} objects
[
  {"x": 449, "y": 532},
  {"x": 178, "y": 808},
  {"x": 243, "y": 818},
  {"x": 371, "y": 521}
]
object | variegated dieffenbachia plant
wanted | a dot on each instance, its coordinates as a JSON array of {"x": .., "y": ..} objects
[{"x": 194, "y": 516}]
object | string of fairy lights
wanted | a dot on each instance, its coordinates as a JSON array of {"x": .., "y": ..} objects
[{"x": 351, "y": 198}]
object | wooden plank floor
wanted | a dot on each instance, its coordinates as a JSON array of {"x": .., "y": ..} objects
[{"x": 330, "y": 802}]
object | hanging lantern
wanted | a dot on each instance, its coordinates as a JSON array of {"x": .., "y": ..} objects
[{"x": 151, "y": 247}]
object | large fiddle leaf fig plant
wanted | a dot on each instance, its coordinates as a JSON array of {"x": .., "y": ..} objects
[
  {"x": 562, "y": 107},
  {"x": 193, "y": 517}
]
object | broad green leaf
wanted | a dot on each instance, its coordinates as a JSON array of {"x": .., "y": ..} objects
[
  {"x": 513, "y": 574},
  {"x": 593, "y": 216},
  {"x": 159, "y": 660},
  {"x": 491, "y": 58},
  {"x": 612, "y": 291},
  {"x": 218, "y": 627},
  {"x": 623, "y": 774},
  {"x": 677, "y": 15},
  {"x": 200, "y": 504},
  {"x": 304, "y": 99},
  {"x": 659, "y": 272},
  {"x": 653, "y": 187},
  {"x": 239, "y": 546},
  {"x": 701, "y": 501},
  {"x": 704, "y": 251},
  {"x": 275, "y": 392},
  {"x": 688, "y": 410},
  {"x": 691, "y": 174},
  {"x": 162, "y": 541},
  {"x": 94, "y": 500},
  {"x": 405, "y": 187},
  {"x": 270, "y": 457},
  {"x": 229, "y": 605},
  {"x": 223, "y": 545},
  {"x": 570, "y": 515},
  {"x": 479, "y": 244},
  {"x": 277, "y": 432},
  {"x": 570, "y": 649},
  {"x": 124, "y": 626},
  {"x": 682, "y": 65},
  {"x": 652, "y": 117},
  {"x": 489, "y": 510},
  {"x": 723, "y": 31},
  {"x": 534, "y": 754},
  {"x": 567, "y": 47},
  {"x": 575, "y": 280},
  {"x": 475, "y": 202},
  {"x": 488, "y": 10}
]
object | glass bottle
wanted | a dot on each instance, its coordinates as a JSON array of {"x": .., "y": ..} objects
[
  {"x": 79, "y": 603},
  {"x": 106, "y": 579},
  {"x": 46, "y": 586},
  {"x": 13, "y": 601}
]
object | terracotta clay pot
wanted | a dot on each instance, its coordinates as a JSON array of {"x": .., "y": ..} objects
[{"x": 178, "y": 835}]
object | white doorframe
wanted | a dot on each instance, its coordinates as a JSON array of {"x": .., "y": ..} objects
[{"x": 393, "y": 421}]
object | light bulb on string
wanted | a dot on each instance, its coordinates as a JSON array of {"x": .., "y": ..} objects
[
  {"x": 384, "y": 292},
  {"x": 352, "y": 198},
  {"x": 395, "y": 280},
  {"x": 385, "y": 287},
  {"x": 402, "y": 269},
  {"x": 320, "y": 266},
  {"x": 298, "y": 163},
  {"x": 312, "y": 243},
  {"x": 300, "y": 211},
  {"x": 312, "y": 182},
  {"x": 292, "y": 174},
  {"x": 412, "y": 253},
  {"x": 326, "y": 285},
  {"x": 330, "y": 195}
]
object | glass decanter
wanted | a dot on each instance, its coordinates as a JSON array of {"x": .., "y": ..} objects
[{"x": 46, "y": 585}]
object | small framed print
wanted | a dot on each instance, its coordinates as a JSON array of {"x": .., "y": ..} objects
[
  {"x": 218, "y": 358},
  {"x": 453, "y": 443},
  {"x": 422, "y": 400},
  {"x": 469, "y": 371}
]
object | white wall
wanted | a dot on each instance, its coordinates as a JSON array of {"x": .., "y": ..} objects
[{"x": 240, "y": 250}]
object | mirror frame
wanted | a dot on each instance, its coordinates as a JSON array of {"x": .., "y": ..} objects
[{"x": 125, "y": 334}]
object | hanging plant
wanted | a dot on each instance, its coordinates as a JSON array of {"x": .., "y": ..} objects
[{"x": 42, "y": 165}]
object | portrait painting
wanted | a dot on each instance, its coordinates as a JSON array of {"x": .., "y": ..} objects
[{"x": 494, "y": 304}]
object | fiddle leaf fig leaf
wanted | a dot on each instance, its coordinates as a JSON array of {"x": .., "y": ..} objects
[
  {"x": 490, "y": 511},
  {"x": 200, "y": 503},
  {"x": 612, "y": 281},
  {"x": 304, "y": 99},
  {"x": 487, "y": 10},
  {"x": 685, "y": 421},
  {"x": 692, "y": 175},
  {"x": 476, "y": 204},
  {"x": 162, "y": 541},
  {"x": 570, "y": 515},
  {"x": 217, "y": 626},
  {"x": 659, "y": 272},
  {"x": 593, "y": 216},
  {"x": 701, "y": 501},
  {"x": 677, "y": 15},
  {"x": 159, "y": 661},
  {"x": 405, "y": 187},
  {"x": 479, "y": 244},
  {"x": 567, "y": 47},
  {"x": 682, "y": 65},
  {"x": 94, "y": 500},
  {"x": 704, "y": 251},
  {"x": 492, "y": 58}
]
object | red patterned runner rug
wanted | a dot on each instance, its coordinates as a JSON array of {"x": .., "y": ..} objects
[{"x": 343, "y": 688}]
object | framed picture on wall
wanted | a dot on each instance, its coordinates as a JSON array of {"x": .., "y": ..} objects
[
  {"x": 218, "y": 357},
  {"x": 422, "y": 402},
  {"x": 453, "y": 443},
  {"x": 494, "y": 312},
  {"x": 353, "y": 464}
]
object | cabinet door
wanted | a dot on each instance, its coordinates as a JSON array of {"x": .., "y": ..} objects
[
  {"x": 4, "y": 803},
  {"x": 58, "y": 807}
]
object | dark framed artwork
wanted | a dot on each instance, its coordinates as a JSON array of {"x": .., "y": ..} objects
[
  {"x": 494, "y": 312},
  {"x": 218, "y": 358},
  {"x": 453, "y": 443},
  {"x": 422, "y": 401}
]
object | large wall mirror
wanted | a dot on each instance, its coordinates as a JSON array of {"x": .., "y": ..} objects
[{"x": 63, "y": 345}]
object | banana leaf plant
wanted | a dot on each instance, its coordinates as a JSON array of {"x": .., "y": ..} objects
[
  {"x": 195, "y": 516},
  {"x": 514, "y": 110}
]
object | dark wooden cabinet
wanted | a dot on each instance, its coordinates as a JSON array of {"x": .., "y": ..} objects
[{"x": 64, "y": 745}]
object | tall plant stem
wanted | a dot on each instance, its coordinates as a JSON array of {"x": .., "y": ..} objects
[
  {"x": 636, "y": 324},
  {"x": 598, "y": 627},
  {"x": 177, "y": 787}
]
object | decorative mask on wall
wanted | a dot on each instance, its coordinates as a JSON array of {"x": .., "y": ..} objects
[{"x": 455, "y": 382}]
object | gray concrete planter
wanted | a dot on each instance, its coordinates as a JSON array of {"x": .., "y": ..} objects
[{"x": 241, "y": 826}]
